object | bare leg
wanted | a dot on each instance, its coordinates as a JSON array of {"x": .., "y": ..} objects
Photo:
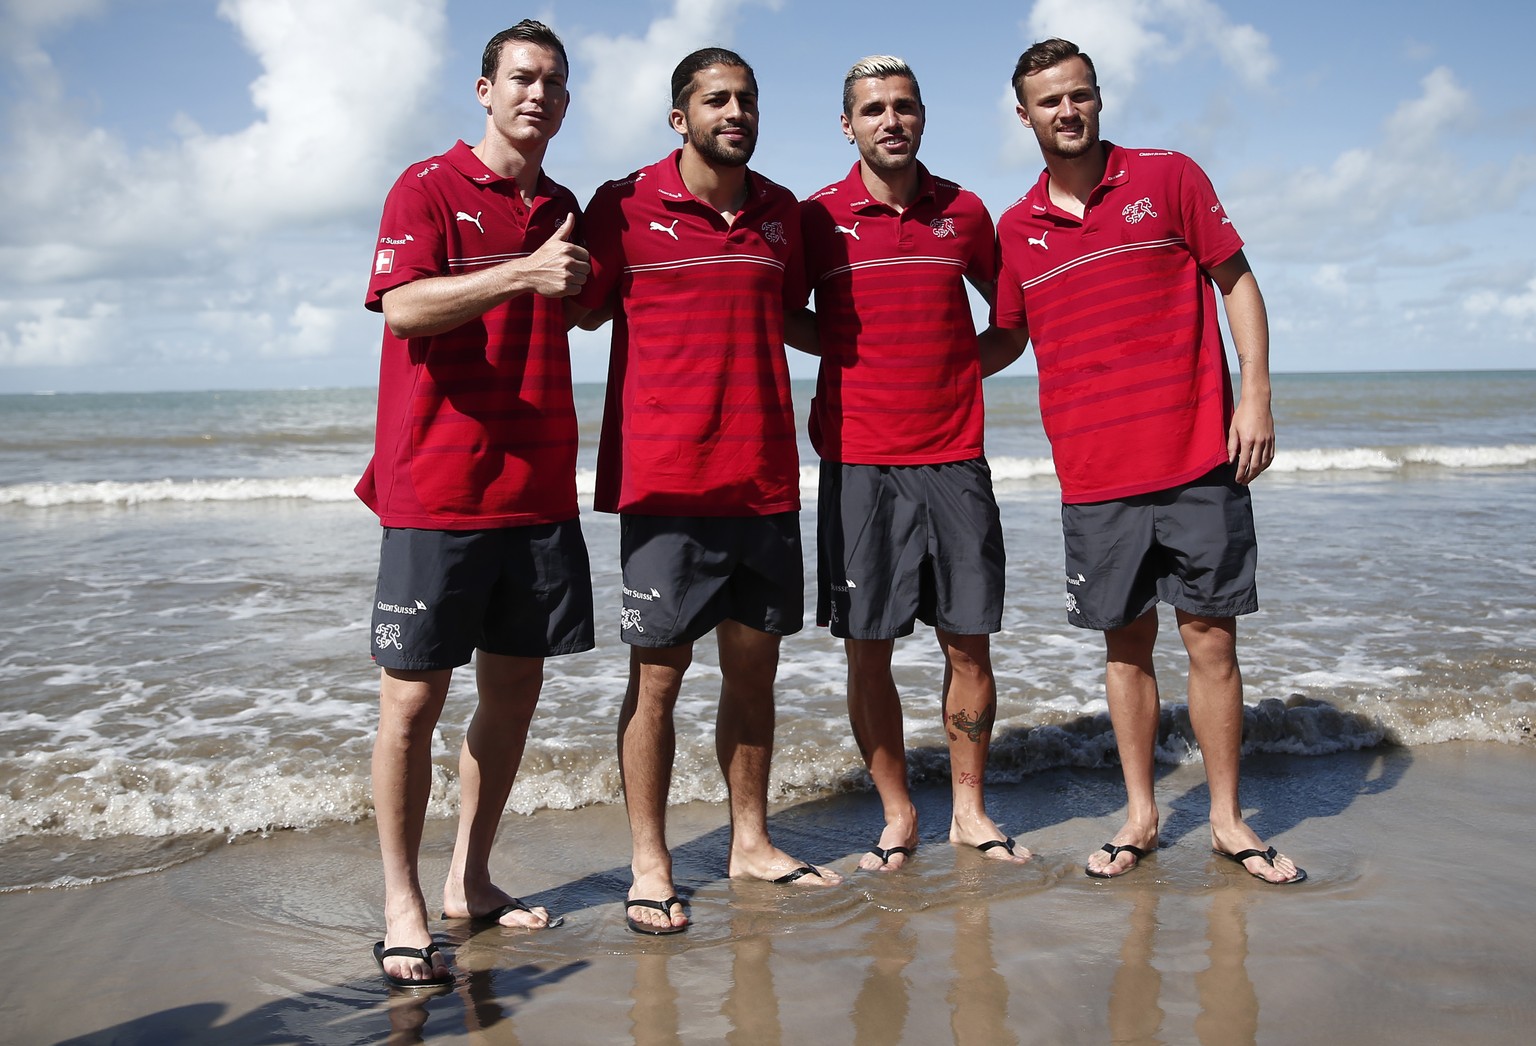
[
  {"x": 1131, "y": 689},
  {"x": 409, "y": 706},
  {"x": 647, "y": 745},
  {"x": 749, "y": 660},
  {"x": 874, "y": 712},
  {"x": 1216, "y": 713},
  {"x": 488, "y": 761},
  {"x": 970, "y": 708}
]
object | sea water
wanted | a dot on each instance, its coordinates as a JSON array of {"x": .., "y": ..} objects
[{"x": 184, "y": 630}]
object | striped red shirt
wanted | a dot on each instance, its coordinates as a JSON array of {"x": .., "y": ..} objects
[
  {"x": 698, "y": 420},
  {"x": 900, "y": 379},
  {"x": 476, "y": 428},
  {"x": 1134, "y": 390}
]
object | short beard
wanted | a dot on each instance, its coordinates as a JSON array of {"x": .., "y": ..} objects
[
  {"x": 878, "y": 160},
  {"x": 717, "y": 152}
]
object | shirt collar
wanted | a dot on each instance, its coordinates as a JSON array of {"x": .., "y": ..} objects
[
  {"x": 464, "y": 160},
  {"x": 1117, "y": 172},
  {"x": 863, "y": 201},
  {"x": 672, "y": 189}
]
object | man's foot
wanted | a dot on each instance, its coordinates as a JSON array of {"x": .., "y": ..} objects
[
  {"x": 1123, "y": 852},
  {"x": 896, "y": 844},
  {"x": 775, "y": 866},
  {"x": 494, "y": 905},
  {"x": 656, "y": 918},
  {"x": 1241, "y": 844},
  {"x": 1114, "y": 867},
  {"x": 981, "y": 832},
  {"x": 1263, "y": 862},
  {"x": 392, "y": 960},
  {"x": 407, "y": 955},
  {"x": 644, "y": 914}
]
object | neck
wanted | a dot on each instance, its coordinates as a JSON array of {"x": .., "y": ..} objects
[
  {"x": 1073, "y": 178},
  {"x": 896, "y": 189},
  {"x": 513, "y": 160},
  {"x": 723, "y": 188}
]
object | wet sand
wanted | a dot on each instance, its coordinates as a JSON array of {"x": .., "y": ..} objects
[{"x": 1418, "y": 925}]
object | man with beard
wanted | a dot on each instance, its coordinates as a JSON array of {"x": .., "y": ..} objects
[
  {"x": 696, "y": 259},
  {"x": 474, "y": 479},
  {"x": 907, "y": 525},
  {"x": 1108, "y": 264}
]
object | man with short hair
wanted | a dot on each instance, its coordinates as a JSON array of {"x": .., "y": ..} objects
[
  {"x": 473, "y": 477},
  {"x": 697, "y": 258},
  {"x": 907, "y": 525},
  {"x": 1108, "y": 264}
]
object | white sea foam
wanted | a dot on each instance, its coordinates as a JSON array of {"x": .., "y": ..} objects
[{"x": 1355, "y": 459}]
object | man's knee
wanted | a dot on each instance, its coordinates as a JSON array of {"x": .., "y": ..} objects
[{"x": 1133, "y": 643}]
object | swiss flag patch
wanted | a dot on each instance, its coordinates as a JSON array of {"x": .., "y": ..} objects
[{"x": 384, "y": 261}]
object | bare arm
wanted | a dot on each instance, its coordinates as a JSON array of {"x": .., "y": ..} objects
[
  {"x": 800, "y": 331},
  {"x": 1251, "y": 440},
  {"x": 1000, "y": 346},
  {"x": 440, "y": 303}
]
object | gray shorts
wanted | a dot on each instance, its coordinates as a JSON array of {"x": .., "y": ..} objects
[
  {"x": 1192, "y": 546},
  {"x": 516, "y": 591},
  {"x": 683, "y": 575},
  {"x": 901, "y": 543}
]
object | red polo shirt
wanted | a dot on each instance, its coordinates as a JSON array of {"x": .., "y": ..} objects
[
  {"x": 900, "y": 379},
  {"x": 476, "y": 428},
  {"x": 1134, "y": 390},
  {"x": 698, "y": 420}
]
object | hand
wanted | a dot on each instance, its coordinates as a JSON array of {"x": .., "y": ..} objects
[
  {"x": 559, "y": 267},
  {"x": 1251, "y": 439}
]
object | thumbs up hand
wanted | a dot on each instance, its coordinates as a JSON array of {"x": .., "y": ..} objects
[{"x": 559, "y": 267}]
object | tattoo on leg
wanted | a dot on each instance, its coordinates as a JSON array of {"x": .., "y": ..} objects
[
  {"x": 977, "y": 729},
  {"x": 968, "y": 778}
]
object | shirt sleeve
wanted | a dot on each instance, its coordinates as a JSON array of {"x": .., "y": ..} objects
[
  {"x": 1008, "y": 310},
  {"x": 602, "y": 226},
  {"x": 1209, "y": 232},
  {"x": 410, "y": 244}
]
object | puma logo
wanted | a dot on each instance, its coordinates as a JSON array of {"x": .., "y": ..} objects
[
  {"x": 475, "y": 221},
  {"x": 1041, "y": 241},
  {"x": 668, "y": 229},
  {"x": 854, "y": 232}
]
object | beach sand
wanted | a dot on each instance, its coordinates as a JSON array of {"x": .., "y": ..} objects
[{"x": 1418, "y": 925}]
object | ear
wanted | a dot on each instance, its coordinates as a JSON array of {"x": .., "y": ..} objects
[
  {"x": 1023, "y": 116},
  {"x": 679, "y": 121},
  {"x": 483, "y": 93},
  {"x": 847, "y": 128}
]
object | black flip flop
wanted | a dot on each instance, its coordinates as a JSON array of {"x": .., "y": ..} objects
[
  {"x": 380, "y": 953},
  {"x": 664, "y": 906}
]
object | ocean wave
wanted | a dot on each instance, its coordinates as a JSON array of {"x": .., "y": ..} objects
[
  {"x": 113, "y": 493},
  {"x": 1005, "y": 470},
  {"x": 1391, "y": 459}
]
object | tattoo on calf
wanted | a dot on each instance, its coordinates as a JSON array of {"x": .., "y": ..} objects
[
  {"x": 970, "y": 779},
  {"x": 977, "y": 729}
]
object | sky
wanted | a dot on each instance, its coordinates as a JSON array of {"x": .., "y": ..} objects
[{"x": 192, "y": 189}]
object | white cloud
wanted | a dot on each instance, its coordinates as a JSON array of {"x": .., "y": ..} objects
[
  {"x": 631, "y": 76},
  {"x": 1123, "y": 36},
  {"x": 122, "y": 255},
  {"x": 55, "y": 332},
  {"x": 1518, "y": 306},
  {"x": 341, "y": 82},
  {"x": 1413, "y": 172}
]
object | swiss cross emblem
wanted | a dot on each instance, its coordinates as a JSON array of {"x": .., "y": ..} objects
[
  {"x": 383, "y": 262},
  {"x": 773, "y": 232},
  {"x": 942, "y": 227}
]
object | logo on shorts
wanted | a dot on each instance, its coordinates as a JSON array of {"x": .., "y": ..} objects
[
  {"x": 396, "y": 608},
  {"x": 630, "y": 619},
  {"x": 650, "y": 597},
  {"x": 845, "y": 586},
  {"x": 1072, "y": 602},
  {"x": 1078, "y": 580},
  {"x": 387, "y": 636}
]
